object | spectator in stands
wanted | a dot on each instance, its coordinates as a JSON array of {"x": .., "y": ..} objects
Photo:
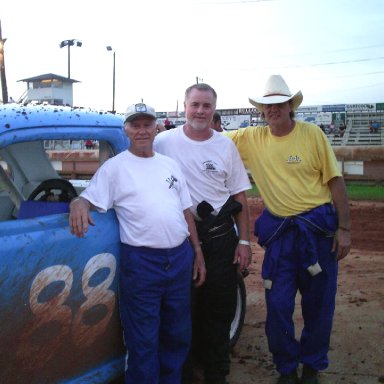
[
  {"x": 89, "y": 144},
  {"x": 332, "y": 127},
  {"x": 305, "y": 228},
  {"x": 342, "y": 129},
  {"x": 216, "y": 122},
  {"x": 322, "y": 127},
  {"x": 375, "y": 127},
  {"x": 168, "y": 124},
  {"x": 370, "y": 126}
]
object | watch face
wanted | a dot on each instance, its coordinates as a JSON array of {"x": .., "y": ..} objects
[{"x": 141, "y": 107}]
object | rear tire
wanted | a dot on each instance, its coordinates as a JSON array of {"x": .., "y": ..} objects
[{"x": 238, "y": 320}]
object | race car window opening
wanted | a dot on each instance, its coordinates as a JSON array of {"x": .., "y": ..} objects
[{"x": 27, "y": 164}]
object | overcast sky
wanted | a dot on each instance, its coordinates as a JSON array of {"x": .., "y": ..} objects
[{"x": 333, "y": 50}]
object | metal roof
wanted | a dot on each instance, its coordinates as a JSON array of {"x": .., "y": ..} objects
[{"x": 50, "y": 76}]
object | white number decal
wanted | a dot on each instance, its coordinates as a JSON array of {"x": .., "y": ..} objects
[
  {"x": 83, "y": 334},
  {"x": 52, "y": 321},
  {"x": 51, "y": 315}
]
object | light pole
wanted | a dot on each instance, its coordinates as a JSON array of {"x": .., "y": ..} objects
[
  {"x": 109, "y": 48},
  {"x": 69, "y": 44},
  {"x": 4, "y": 89}
]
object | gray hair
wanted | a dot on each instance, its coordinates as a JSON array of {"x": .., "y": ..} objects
[{"x": 201, "y": 87}]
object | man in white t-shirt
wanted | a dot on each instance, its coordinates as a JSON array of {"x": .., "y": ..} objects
[
  {"x": 217, "y": 182},
  {"x": 160, "y": 250}
]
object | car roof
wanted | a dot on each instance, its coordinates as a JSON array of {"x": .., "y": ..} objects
[
  {"x": 16, "y": 116},
  {"x": 20, "y": 122}
]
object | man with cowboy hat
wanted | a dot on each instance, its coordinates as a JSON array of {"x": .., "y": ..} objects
[{"x": 304, "y": 228}]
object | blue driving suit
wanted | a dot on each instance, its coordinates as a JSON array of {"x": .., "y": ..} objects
[
  {"x": 299, "y": 257},
  {"x": 155, "y": 309}
]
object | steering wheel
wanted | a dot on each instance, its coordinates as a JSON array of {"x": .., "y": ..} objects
[{"x": 45, "y": 191}]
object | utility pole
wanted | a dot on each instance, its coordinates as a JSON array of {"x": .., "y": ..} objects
[
  {"x": 4, "y": 89},
  {"x": 109, "y": 48}
]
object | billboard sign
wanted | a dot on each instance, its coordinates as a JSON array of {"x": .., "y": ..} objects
[
  {"x": 232, "y": 122},
  {"x": 334, "y": 108},
  {"x": 360, "y": 107},
  {"x": 311, "y": 109}
]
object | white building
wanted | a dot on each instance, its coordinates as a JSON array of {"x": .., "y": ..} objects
[{"x": 49, "y": 88}]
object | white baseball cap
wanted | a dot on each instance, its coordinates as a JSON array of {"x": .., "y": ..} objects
[{"x": 140, "y": 109}]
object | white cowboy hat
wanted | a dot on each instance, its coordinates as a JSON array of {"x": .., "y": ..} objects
[{"x": 276, "y": 91}]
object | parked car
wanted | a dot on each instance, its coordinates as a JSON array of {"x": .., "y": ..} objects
[{"x": 59, "y": 319}]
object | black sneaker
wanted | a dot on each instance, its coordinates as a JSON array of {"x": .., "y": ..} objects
[
  {"x": 291, "y": 378},
  {"x": 309, "y": 376}
]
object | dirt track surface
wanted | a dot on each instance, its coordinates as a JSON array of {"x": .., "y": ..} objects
[{"x": 357, "y": 344}]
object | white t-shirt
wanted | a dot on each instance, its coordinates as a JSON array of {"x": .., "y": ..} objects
[
  {"x": 213, "y": 168},
  {"x": 149, "y": 196}
]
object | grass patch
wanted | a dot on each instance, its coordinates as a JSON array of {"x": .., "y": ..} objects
[
  {"x": 365, "y": 192},
  {"x": 354, "y": 191},
  {"x": 253, "y": 192}
]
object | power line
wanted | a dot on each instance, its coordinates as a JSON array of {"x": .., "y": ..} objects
[
  {"x": 352, "y": 75},
  {"x": 335, "y": 62},
  {"x": 311, "y": 53}
]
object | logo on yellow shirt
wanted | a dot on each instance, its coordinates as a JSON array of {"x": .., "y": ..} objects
[{"x": 294, "y": 159}]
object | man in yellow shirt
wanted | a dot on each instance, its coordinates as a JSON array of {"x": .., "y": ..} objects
[{"x": 305, "y": 228}]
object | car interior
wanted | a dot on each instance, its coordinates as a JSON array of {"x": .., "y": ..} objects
[{"x": 30, "y": 184}]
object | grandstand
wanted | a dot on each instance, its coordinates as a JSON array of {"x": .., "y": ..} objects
[
  {"x": 356, "y": 118},
  {"x": 358, "y": 136},
  {"x": 357, "y": 132}
]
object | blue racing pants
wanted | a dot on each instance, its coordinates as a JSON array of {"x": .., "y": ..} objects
[
  {"x": 298, "y": 242},
  {"x": 155, "y": 307}
]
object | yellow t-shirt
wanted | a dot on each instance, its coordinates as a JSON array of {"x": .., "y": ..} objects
[{"x": 291, "y": 172}]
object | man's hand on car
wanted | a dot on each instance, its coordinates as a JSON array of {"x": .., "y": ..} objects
[{"x": 79, "y": 216}]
